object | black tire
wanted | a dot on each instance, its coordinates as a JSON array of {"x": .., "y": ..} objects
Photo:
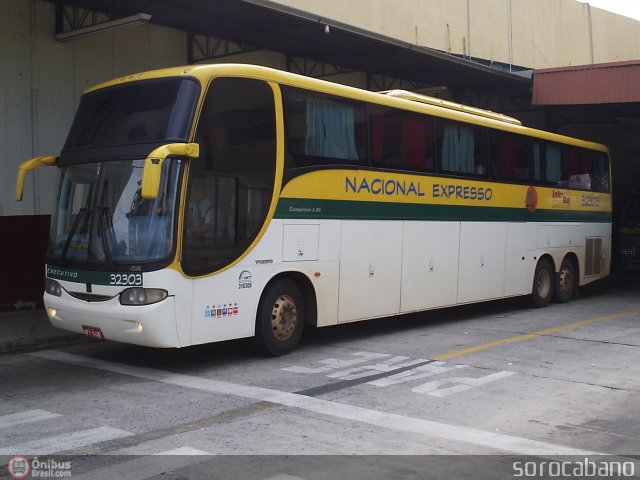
[
  {"x": 281, "y": 317},
  {"x": 543, "y": 282},
  {"x": 565, "y": 286}
]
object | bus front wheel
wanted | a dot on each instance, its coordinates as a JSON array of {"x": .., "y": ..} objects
[
  {"x": 543, "y": 281},
  {"x": 281, "y": 317}
]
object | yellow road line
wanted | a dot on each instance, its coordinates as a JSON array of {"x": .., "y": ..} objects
[{"x": 521, "y": 338}]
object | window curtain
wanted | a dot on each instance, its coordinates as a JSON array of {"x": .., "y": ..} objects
[
  {"x": 377, "y": 138},
  {"x": 414, "y": 142},
  {"x": 547, "y": 163},
  {"x": 554, "y": 164},
  {"x": 458, "y": 149},
  {"x": 578, "y": 163},
  {"x": 330, "y": 130},
  {"x": 537, "y": 172},
  {"x": 507, "y": 154}
]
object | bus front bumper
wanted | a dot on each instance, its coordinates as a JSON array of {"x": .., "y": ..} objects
[{"x": 147, "y": 325}]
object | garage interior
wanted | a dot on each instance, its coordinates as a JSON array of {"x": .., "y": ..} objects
[{"x": 599, "y": 102}]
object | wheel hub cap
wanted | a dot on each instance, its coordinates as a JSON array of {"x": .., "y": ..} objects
[{"x": 284, "y": 317}]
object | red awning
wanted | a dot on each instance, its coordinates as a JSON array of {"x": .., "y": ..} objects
[{"x": 588, "y": 84}]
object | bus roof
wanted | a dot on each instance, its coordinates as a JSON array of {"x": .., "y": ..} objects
[
  {"x": 416, "y": 97},
  {"x": 396, "y": 98}
]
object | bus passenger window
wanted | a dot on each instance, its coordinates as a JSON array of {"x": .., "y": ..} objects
[
  {"x": 322, "y": 129},
  {"x": 461, "y": 148},
  {"x": 587, "y": 170},
  {"x": 600, "y": 172},
  {"x": 330, "y": 130},
  {"x": 570, "y": 167},
  {"x": 510, "y": 156},
  {"x": 401, "y": 139},
  {"x": 548, "y": 163},
  {"x": 579, "y": 169}
]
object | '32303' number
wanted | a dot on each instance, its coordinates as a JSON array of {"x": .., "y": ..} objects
[{"x": 125, "y": 279}]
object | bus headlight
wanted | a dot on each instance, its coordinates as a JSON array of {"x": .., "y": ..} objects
[
  {"x": 52, "y": 287},
  {"x": 142, "y": 296}
]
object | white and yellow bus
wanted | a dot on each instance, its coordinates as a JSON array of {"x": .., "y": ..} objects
[{"x": 209, "y": 203}]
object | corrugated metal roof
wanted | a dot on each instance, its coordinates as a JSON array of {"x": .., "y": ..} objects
[{"x": 617, "y": 82}]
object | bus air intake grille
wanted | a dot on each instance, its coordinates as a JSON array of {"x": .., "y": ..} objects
[
  {"x": 90, "y": 297},
  {"x": 593, "y": 253}
]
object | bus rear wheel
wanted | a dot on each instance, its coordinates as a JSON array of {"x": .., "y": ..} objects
[
  {"x": 543, "y": 281},
  {"x": 281, "y": 317},
  {"x": 565, "y": 281}
]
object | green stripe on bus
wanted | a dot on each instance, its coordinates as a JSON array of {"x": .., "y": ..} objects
[{"x": 289, "y": 208}]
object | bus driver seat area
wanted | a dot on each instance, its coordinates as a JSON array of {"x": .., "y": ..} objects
[{"x": 200, "y": 215}]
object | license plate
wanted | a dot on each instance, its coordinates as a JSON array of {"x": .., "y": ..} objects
[{"x": 93, "y": 332}]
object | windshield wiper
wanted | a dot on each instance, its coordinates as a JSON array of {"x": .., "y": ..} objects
[
  {"x": 106, "y": 219},
  {"x": 72, "y": 232}
]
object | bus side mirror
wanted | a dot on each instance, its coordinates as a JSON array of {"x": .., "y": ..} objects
[
  {"x": 28, "y": 166},
  {"x": 153, "y": 165}
]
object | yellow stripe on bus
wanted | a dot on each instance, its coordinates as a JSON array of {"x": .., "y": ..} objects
[{"x": 373, "y": 186}]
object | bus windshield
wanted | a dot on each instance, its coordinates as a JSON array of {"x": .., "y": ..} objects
[
  {"x": 141, "y": 112},
  {"x": 101, "y": 219}
]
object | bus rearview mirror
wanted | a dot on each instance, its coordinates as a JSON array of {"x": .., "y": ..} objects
[
  {"x": 153, "y": 165},
  {"x": 29, "y": 165}
]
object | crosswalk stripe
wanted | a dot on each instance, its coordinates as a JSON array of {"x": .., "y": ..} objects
[
  {"x": 284, "y": 476},
  {"x": 184, "y": 451},
  {"x": 28, "y": 416},
  {"x": 66, "y": 441},
  {"x": 393, "y": 421},
  {"x": 148, "y": 466}
]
